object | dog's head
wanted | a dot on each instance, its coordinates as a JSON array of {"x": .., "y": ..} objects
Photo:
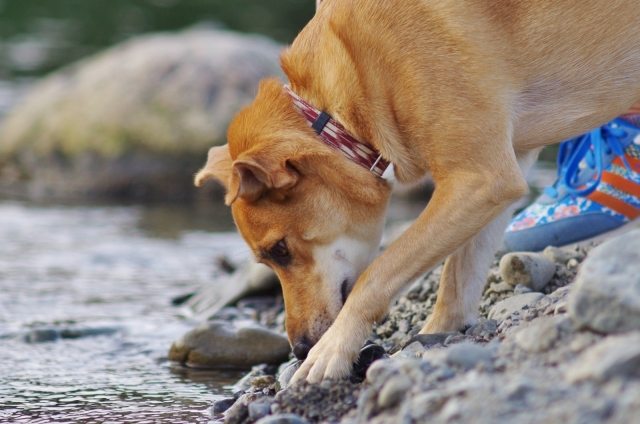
[{"x": 303, "y": 208}]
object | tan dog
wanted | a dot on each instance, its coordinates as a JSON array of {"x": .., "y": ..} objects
[{"x": 466, "y": 90}]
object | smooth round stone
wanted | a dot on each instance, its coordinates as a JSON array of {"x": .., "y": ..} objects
[
  {"x": 282, "y": 419},
  {"x": 219, "y": 344}
]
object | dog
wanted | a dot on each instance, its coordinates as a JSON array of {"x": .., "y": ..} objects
[{"x": 464, "y": 90}]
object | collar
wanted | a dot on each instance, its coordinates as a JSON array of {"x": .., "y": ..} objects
[{"x": 336, "y": 136}]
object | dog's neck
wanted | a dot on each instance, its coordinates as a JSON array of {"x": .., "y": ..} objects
[
  {"x": 322, "y": 71},
  {"x": 335, "y": 135}
]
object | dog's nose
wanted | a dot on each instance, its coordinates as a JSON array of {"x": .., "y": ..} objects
[{"x": 301, "y": 350}]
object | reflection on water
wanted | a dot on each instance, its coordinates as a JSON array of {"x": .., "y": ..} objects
[{"x": 76, "y": 270}]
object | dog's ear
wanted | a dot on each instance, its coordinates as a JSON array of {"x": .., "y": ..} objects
[
  {"x": 254, "y": 177},
  {"x": 218, "y": 167}
]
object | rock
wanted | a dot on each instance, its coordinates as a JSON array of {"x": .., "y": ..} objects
[
  {"x": 520, "y": 289},
  {"x": 606, "y": 296},
  {"x": 249, "y": 279},
  {"x": 263, "y": 381},
  {"x": 239, "y": 412},
  {"x": 506, "y": 307},
  {"x": 221, "y": 405},
  {"x": 393, "y": 391},
  {"x": 52, "y": 334},
  {"x": 218, "y": 344},
  {"x": 613, "y": 356},
  {"x": 486, "y": 327},
  {"x": 557, "y": 255},
  {"x": 532, "y": 270},
  {"x": 430, "y": 340},
  {"x": 283, "y": 419},
  {"x": 414, "y": 350},
  {"x": 538, "y": 336},
  {"x": 285, "y": 374},
  {"x": 368, "y": 355},
  {"x": 245, "y": 383},
  {"x": 42, "y": 335},
  {"x": 260, "y": 408},
  {"x": 381, "y": 370},
  {"x": 135, "y": 120},
  {"x": 468, "y": 355}
]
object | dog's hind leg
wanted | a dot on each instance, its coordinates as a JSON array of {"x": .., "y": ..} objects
[{"x": 465, "y": 271}]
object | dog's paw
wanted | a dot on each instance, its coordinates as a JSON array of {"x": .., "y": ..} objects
[{"x": 331, "y": 358}]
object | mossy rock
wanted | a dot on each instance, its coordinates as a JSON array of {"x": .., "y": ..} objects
[{"x": 155, "y": 103}]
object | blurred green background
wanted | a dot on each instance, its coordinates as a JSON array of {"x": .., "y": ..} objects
[{"x": 38, "y": 36}]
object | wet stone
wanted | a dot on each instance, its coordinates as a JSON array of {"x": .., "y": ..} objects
[
  {"x": 260, "y": 408},
  {"x": 43, "y": 335},
  {"x": 283, "y": 419},
  {"x": 221, "y": 344},
  {"x": 221, "y": 405}
]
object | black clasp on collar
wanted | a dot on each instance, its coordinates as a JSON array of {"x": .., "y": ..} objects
[{"x": 320, "y": 122}]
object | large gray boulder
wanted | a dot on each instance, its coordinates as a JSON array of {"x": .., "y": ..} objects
[
  {"x": 135, "y": 120},
  {"x": 220, "y": 344},
  {"x": 606, "y": 296}
]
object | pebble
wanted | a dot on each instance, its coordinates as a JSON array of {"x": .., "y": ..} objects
[
  {"x": 468, "y": 355},
  {"x": 261, "y": 408},
  {"x": 381, "y": 370},
  {"x": 538, "y": 336},
  {"x": 286, "y": 373},
  {"x": 282, "y": 419},
  {"x": 239, "y": 412},
  {"x": 430, "y": 340},
  {"x": 606, "y": 297},
  {"x": 393, "y": 391},
  {"x": 532, "y": 270},
  {"x": 413, "y": 350},
  {"x": 507, "y": 307},
  {"x": 520, "y": 289}
]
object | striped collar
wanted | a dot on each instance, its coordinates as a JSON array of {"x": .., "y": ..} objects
[{"x": 336, "y": 136}]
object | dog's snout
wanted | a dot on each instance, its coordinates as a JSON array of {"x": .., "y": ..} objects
[{"x": 301, "y": 350}]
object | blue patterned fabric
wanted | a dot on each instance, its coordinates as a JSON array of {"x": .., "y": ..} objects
[{"x": 564, "y": 214}]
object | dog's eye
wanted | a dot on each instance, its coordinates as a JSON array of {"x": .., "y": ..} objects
[
  {"x": 279, "y": 253},
  {"x": 279, "y": 249}
]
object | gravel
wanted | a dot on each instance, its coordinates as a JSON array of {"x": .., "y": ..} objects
[{"x": 537, "y": 361}]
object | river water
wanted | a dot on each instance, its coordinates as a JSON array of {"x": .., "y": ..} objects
[{"x": 86, "y": 319}]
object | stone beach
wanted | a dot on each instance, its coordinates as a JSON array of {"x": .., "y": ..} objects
[{"x": 565, "y": 349}]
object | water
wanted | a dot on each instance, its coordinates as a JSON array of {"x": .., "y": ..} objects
[{"x": 106, "y": 269}]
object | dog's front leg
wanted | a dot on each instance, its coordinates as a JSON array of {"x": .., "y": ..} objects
[
  {"x": 465, "y": 271},
  {"x": 464, "y": 202}
]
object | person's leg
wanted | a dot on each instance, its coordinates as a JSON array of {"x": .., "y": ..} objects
[{"x": 597, "y": 190}]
